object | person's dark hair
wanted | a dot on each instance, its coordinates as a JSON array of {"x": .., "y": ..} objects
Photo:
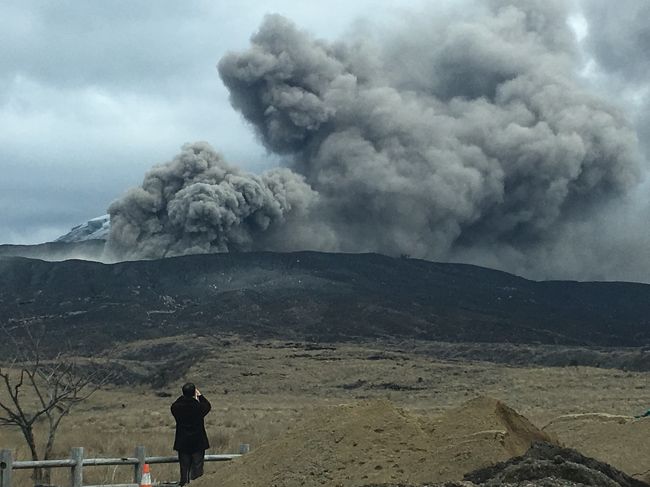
[{"x": 189, "y": 389}]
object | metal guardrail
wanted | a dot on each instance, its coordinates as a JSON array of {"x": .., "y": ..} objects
[{"x": 77, "y": 462}]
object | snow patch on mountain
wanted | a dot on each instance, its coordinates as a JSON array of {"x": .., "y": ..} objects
[{"x": 94, "y": 229}]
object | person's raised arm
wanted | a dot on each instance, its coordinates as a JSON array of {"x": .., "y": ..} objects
[{"x": 203, "y": 402}]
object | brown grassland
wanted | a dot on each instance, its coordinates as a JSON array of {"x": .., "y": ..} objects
[{"x": 259, "y": 389}]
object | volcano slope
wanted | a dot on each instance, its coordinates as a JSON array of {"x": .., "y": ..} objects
[
  {"x": 320, "y": 297},
  {"x": 56, "y": 251}
]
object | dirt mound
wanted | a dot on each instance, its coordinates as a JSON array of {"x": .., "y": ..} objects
[
  {"x": 621, "y": 441},
  {"x": 375, "y": 442},
  {"x": 543, "y": 465},
  {"x": 550, "y": 465},
  {"x": 481, "y": 432}
]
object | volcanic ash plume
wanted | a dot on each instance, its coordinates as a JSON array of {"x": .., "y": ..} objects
[
  {"x": 198, "y": 204},
  {"x": 449, "y": 136}
]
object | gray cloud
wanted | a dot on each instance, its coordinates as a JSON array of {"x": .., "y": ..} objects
[
  {"x": 452, "y": 137},
  {"x": 619, "y": 36},
  {"x": 105, "y": 89},
  {"x": 116, "y": 45},
  {"x": 487, "y": 137},
  {"x": 196, "y": 203},
  {"x": 92, "y": 94},
  {"x": 619, "y": 41}
]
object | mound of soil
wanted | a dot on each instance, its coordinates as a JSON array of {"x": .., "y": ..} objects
[
  {"x": 621, "y": 441},
  {"x": 481, "y": 432},
  {"x": 549, "y": 465},
  {"x": 543, "y": 465},
  {"x": 375, "y": 442}
]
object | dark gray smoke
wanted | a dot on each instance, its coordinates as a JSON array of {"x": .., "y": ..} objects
[
  {"x": 616, "y": 47},
  {"x": 619, "y": 41},
  {"x": 619, "y": 36},
  {"x": 470, "y": 132},
  {"x": 198, "y": 204},
  {"x": 451, "y": 137}
]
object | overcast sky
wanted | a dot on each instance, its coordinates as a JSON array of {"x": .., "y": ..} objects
[{"x": 92, "y": 94}]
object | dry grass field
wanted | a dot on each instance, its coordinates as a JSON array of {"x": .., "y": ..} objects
[{"x": 259, "y": 389}]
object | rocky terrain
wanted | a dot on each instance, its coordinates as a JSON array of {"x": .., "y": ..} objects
[
  {"x": 320, "y": 297},
  {"x": 353, "y": 370},
  {"x": 548, "y": 465}
]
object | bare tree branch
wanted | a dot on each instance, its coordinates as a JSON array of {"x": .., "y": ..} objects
[{"x": 37, "y": 386}]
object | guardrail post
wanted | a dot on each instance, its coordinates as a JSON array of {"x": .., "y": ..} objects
[
  {"x": 139, "y": 467},
  {"x": 76, "y": 472},
  {"x": 6, "y": 464}
]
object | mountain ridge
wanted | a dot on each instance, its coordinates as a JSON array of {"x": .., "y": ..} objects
[{"x": 320, "y": 296}]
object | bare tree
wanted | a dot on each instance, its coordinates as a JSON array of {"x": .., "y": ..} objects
[{"x": 37, "y": 389}]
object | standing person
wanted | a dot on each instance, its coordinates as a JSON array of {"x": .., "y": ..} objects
[{"x": 190, "y": 440}]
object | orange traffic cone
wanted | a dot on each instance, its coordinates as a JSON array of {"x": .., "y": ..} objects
[{"x": 146, "y": 476}]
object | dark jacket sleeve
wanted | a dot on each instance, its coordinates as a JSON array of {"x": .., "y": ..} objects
[{"x": 205, "y": 405}]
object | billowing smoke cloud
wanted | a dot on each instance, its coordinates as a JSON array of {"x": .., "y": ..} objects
[
  {"x": 619, "y": 41},
  {"x": 463, "y": 137},
  {"x": 198, "y": 204},
  {"x": 619, "y": 36},
  {"x": 476, "y": 131}
]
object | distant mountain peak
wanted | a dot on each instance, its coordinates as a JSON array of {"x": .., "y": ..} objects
[{"x": 94, "y": 229}]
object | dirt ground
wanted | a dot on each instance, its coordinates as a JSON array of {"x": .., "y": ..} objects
[
  {"x": 392, "y": 395},
  {"x": 374, "y": 442},
  {"x": 622, "y": 441}
]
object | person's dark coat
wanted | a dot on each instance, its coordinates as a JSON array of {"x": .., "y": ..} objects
[{"x": 190, "y": 430}]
